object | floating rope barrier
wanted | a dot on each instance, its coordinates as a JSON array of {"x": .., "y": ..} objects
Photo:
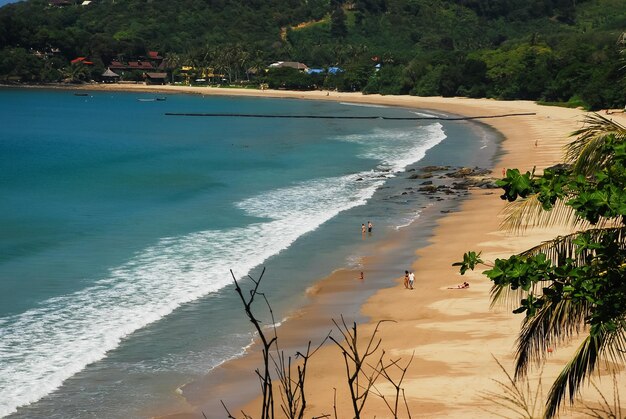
[{"x": 387, "y": 118}]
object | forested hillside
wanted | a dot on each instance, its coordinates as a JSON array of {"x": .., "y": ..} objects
[{"x": 549, "y": 50}]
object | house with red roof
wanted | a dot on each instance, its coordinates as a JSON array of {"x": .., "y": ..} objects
[
  {"x": 81, "y": 60},
  {"x": 153, "y": 61},
  {"x": 154, "y": 56},
  {"x": 150, "y": 67}
]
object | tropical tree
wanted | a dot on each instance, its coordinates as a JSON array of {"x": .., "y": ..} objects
[
  {"x": 75, "y": 73},
  {"x": 574, "y": 284}
]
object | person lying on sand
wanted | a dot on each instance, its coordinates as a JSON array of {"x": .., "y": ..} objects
[{"x": 460, "y": 286}]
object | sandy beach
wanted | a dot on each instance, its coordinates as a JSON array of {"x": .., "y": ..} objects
[{"x": 452, "y": 334}]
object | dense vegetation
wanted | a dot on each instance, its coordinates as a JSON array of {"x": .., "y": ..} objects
[{"x": 548, "y": 50}]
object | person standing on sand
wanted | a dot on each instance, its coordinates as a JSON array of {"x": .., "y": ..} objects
[
  {"x": 411, "y": 280},
  {"x": 406, "y": 279}
]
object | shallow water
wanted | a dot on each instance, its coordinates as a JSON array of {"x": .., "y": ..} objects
[{"x": 120, "y": 224}]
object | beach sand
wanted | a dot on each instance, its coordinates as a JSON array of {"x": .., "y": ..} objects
[{"x": 452, "y": 334}]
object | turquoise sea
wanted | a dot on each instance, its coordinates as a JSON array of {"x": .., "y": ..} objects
[{"x": 119, "y": 225}]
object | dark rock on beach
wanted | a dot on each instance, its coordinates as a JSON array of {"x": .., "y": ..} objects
[
  {"x": 420, "y": 176},
  {"x": 428, "y": 189},
  {"x": 434, "y": 168},
  {"x": 468, "y": 171}
]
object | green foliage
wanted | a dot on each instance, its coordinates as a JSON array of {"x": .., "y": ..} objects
[
  {"x": 17, "y": 65},
  {"x": 387, "y": 81},
  {"x": 338, "y": 28},
  {"x": 470, "y": 260},
  {"x": 576, "y": 280},
  {"x": 574, "y": 102},
  {"x": 555, "y": 51},
  {"x": 289, "y": 78},
  {"x": 515, "y": 184}
]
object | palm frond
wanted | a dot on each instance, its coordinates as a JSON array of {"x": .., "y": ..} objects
[
  {"x": 528, "y": 213},
  {"x": 553, "y": 324},
  {"x": 504, "y": 296},
  {"x": 585, "y": 153},
  {"x": 582, "y": 364},
  {"x": 563, "y": 247},
  {"x": 615, "y": 346}
]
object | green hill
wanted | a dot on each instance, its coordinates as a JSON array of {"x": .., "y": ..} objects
[{"x": 549, "y": 50}]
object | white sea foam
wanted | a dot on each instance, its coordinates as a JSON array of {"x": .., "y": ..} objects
[
  {"x": 409, "y": 220},
  {"x": 363, "y": 105},
  {"x": 427, "y": 115},
  {"x": 46, "y": 345},
  {"x": 398, "y": 148},
  {"x": 354, "y": 261}
]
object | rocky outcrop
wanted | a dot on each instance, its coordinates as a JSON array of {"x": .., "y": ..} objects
[{"x": 453, "y": 179}]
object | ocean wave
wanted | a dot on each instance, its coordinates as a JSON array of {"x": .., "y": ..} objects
[
  {"x": 395, "y": 149},
  {"x": 44, "y": 346},
  {"x": 407, "y": 221}
]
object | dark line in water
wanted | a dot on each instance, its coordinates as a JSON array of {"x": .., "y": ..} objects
[{"x": 389, "y": 118}]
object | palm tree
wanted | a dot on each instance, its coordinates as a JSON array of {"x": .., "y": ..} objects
[
  {"x": 573, "y": 284},
  {"x": 173, "y": 61},
  {"x": 75, "y": 73}
]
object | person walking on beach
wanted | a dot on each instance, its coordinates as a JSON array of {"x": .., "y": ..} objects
[
  {"x": 406, "y": 279},
  {"x": 369, "y": 227},
  {"x": 411, "y": 280}
]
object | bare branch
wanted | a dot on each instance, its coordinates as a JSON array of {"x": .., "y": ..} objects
[{"x": 361, "y": 381}]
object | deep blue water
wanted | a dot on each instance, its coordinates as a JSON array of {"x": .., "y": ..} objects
[{"x": 118, "y": 227}]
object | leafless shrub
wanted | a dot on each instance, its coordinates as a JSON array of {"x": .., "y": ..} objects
[
  {"x": 516, "y": 396},
  {"x": 291, "y": 383},
  {"x": 362, "y": 374},
  {"x": 389, "y": 371}
]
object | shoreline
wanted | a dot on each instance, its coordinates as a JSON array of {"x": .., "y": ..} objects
[
  {"x": 452, "y": 333},
  {"x": 341, "y": 293}
]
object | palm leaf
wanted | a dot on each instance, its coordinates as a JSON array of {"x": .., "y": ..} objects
[
  {"x": 557, "y": 250},
  {"x": 504, "y": 296},
  {"x": 577, "y": 369},
  {"x": 528, "y": 213},
  {"x": 615, "y": 346},
  {"x": 586, "y": 152},
  {"x": 562, "y": 247},
  {"x": 557, "y": 323},
  {"x": 553, "y": 324}
]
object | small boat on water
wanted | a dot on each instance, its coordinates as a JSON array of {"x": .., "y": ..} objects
[
  {"x": 81, "y": 94},
  {"x": 152, "y": 99}
]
